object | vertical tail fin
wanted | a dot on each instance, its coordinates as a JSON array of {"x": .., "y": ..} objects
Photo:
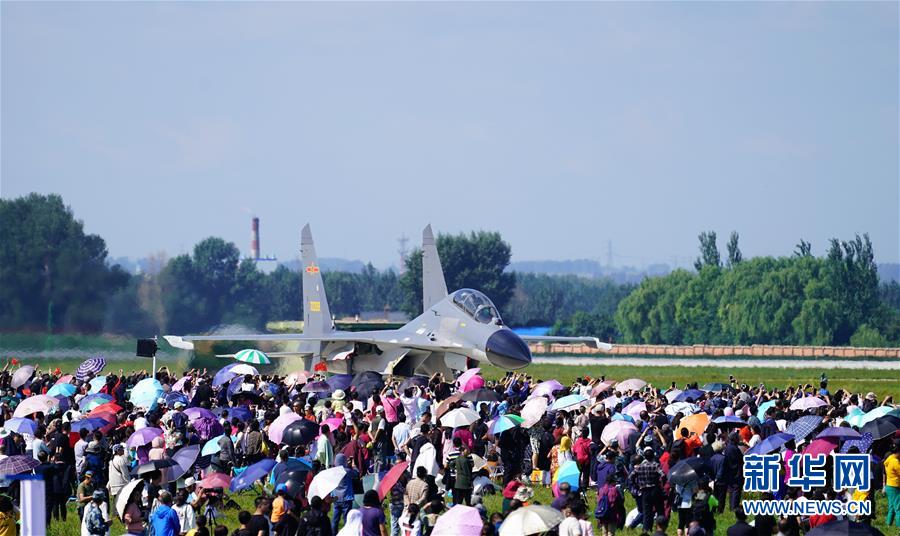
[
  {"x": 434, "y": 288},
  {"x": 316, "y": 314}
]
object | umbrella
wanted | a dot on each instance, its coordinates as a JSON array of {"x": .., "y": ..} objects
[
  {"x": 532, "y": 519},
  {"x": 65, "y": 404},
  {"x": 692, "y": 394},
  {"x": 146, "y": 392},
  {"x": 634, "y": 409},
  {"x": 294, "y": 378},
  {"x": 610, "y": 402},
  {"x": 153, "y": 466},
  {"x": 687, "y": 471},
  {"x": 504, "y": 423},
  {"x": 184, "y": 458},
  {"x": 198, "y": 413},
  {"x": 97, "y": 384},
  {"x": 317, "y": 387},
  {"x": 695, "y": 423},
  {"x": 251, "y": 474},
  {"x": 414, "y": 381},
  {"x": 478, "y": 463},
  {"x": 864, "y": 443},
  {"x": 568, "y": 472},
  {"x": 685, "y": 408},
  {"x": 716, "y": 387},
  {"x": 66, "y": 378},
  {"x": 623, "y": 432},
  {"x": 89, "y": 367},
  {"x": 21, "y": 376},
  {"x": 276, "y": 429},
  {"x": 90, "y": 424},
  {"x": 820, "y": 446},
  {"x": 461, "y": 520},
  {"x": 215, "y": 480},
  {"x": 547, "y": 388},
  {"x": 125, "y": 494},
  {"x": 229, "y": 371},
  {"x": 601, "y": 387},
  {"x": 173, "y": 396},
  {"x": 729, "y": 420},
  {"x": 92, "y": 401},
  {"x": 333, "y": 423},
  {"x": 240, "y": 413},
  {"x": 325, "y": 482},
  {"x": 299, "y": 432},
  {"x": 390, "y": 478},
  {"x": 855, "y": 416},
  {"x": 294, "y": 481},
  {"x": 533, "y": 410},
  {"x": 876, "y": 413},
  {"x": 36, "y": 404},
  {"x": 459, "y": 417},
  {"x": 568, "y": 401},
  {"x": 883, "y": 427},
  {"x": 252, "y": 356},
  {"x": 444, "y": 406},
  {"x": 340, "y": 381},
  {"x": 211, "y": 446},
  {"x": 62, "y": 389},
  {"x": 14, "y": 465},
  {"x": 480, "y": 395},
  {"x": 845, "y": 527},
  {"x": 673, "y": 394},
  {"x": 463, "y": 380},
  {"x": 143, "y": 436},
  {"x": 367, "y": 380},
  {"x": 803, "y": 426},
  {"x": 108, "y": 407},
  {"x": 770, "y": 444},
  {"x": 808, "y": 402},
  {"x": 21, "y": 426},
  {"x": 178, "y": 386},
  {"x": 839, "y": 432},
  {"x": 633, "y": 384},
  {"x": 621, "y": 417},
  {"x": 763, "y": 408}
]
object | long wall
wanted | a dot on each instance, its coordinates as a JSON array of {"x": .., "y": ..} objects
[{"x": 701, "y": 350}]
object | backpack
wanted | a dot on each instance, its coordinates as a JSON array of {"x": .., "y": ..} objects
[
  {"x": 95, "y": 523},
  {"x": 180, "y": 421},
  {"x": 603, "y": 505}
]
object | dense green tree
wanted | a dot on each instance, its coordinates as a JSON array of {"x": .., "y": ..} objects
[
  {"x": 583, "y": 323},
  {"x": 803, "y": 249},
  {"x": 543, "y": 300},
  {"x": 476, "y": 260}
]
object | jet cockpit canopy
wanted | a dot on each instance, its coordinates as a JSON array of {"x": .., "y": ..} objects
[{"x": 477, "y": 305}]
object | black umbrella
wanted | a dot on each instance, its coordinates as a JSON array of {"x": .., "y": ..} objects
[
  {"x": 366, "y": 376},
  {"x": 845, "y": 528},
  {"x": 882, "y": 426},
  {"x": 480, "y": 395},
  {"x": 687, "y": 471},
  {"x": 340, "y": 381},
  {"x": 299, "y": 432},
  {"x": 367, "y": 389},
  {"x": 414, "y": 381},
  {"x": 317, "y": 387},
  {"x": 153, "y": 465},
  {"x": 247, "y": 396},
  {"x": 717, "y": 387}
]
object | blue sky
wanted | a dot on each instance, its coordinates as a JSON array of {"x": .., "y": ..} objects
[{"x": 563, "y": 126}]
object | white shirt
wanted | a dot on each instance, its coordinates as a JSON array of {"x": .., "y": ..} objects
[
  {"x": 570, "y": 527},
  {"x": 411, "y": 408},
  {"x": 79, "y": 455},
  {"x": 185, "y": 516},
  {"x": 104, "y": 509}
]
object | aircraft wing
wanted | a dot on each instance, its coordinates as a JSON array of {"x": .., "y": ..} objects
[
  {"x": 592, "y": 342},
  {"x": 382, "y": 338}
]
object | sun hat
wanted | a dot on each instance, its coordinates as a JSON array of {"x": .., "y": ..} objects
[{"x": 338, "y": 394}]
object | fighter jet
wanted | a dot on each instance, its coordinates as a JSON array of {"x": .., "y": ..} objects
[{"x": 453, "y": 329}]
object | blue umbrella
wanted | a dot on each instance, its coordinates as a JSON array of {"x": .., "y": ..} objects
[
  {"x": 97, "y": 384},
  {"x": 62, "y": 389},
  {"x": 65, "y": 403},
  {"x": 90, "y": 424},
  {"x": 693, "y": 394},
  {"x": 146, "y": 392},
  {"x": 567, "y": 402},
  {"x": 770, "y": 444},
  {"x": 839, "y": 432},
  {"x": 729, "y": 419},
  {"x": 623, "y": 417},
  {"x": 864, "y": 443},
  {"x": 568, "y": 472},
  {"x": 803, "y": 426},
  {"x": 340, "y": 381},
  {"x": 501, "y": 425},
  {"x": 20, "y": 426},
  {"x": 171, "y": 398},
  {"x": 761, "y": 412},
  {"x": 251, "y": 474},
  {"x": 92, "y": 401},
  {"x": 211, "y": 446},
  {"x": 240, "y": 413}
]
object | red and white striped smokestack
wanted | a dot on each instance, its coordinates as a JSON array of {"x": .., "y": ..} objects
[{"x": 254, "y": 239}]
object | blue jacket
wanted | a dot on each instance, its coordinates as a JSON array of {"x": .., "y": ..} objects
[{"x": 165, "y": 521}]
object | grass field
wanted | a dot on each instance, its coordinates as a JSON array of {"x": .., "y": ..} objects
[{"x": 71, "y": 527}]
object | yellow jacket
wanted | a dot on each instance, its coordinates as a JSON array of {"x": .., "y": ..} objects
[{"x": 892, "y": 471}]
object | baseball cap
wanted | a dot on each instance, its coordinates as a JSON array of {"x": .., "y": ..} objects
[
  {"x": 179, "y": 404},
  {"x": 280, "y": 487},
  {"x": 380, "y": 409},
  {"x": 98, "y": 494},
  {"x": 88, "y": 473}
]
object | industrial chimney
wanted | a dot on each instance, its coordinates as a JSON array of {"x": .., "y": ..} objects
[{"x": 254, "y": 239}]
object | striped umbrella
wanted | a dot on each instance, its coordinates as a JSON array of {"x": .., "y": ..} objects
[
  {"x": 803, "y": 426},
  {"x": 15, "y": 465},
  {"x": 252, "y": 356},
  {"x": 504, "y": 423},
  {"x": 90, "y": 368}
]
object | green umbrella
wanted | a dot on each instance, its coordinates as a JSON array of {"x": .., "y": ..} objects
[{"x": 252, "y": 356}]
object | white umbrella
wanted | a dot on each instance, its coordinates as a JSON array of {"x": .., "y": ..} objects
[
  {"x": 610, "y": 402},
  {"x": 633, "y": 384},
  {"x": 673, "y": 394},
  {"x": 325, "y": 482},
  {"x": 533, "y": 410},
  {"x": 124, "y": 494},
  {"x": 459, "y": 417},
  {"x": 530, "y": 520},
  {"x": 427, "y": 458},
  {"x": 681, "y": 407},
  {"x": 35, "y": 404}
]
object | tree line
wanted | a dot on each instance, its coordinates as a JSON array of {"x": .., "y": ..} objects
[{"x": 55, "y": 277}]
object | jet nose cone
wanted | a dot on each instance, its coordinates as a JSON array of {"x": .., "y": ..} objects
[{"x": 507, "y": 350}]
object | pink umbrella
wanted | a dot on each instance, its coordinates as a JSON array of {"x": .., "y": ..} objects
[
  {"x": 533, "y": 410},
  {"x": 461, "y": 520},
  {"x": 215, "y": 480},
  {"x": 622, "y": 431},
  {"x": 634, "y": 409},
  {"x": 179, "y": 385},
  {"x": 807, "y": 403},
  {"x": 66, "y": 378},
  {"x": 470, "y": 380},
  {"x": 633, "y": 384},
  {"x": 276, "y": 429},
  {"x": 602, "y": 386},
  {"x": 35, "y": 404},
  {"x": 820, "y": 446},
  {"x": 547, "y": 388},
  {"x": 333, "y": 423}
]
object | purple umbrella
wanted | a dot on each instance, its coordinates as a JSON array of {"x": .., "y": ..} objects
[
  {"x": 251, "y": 474},
  {"x": 634, "y": 409},
  {"x": 461, "y": 520},
  {"x": 197, "y": 413},
  {"x": 693, "y": 394},
  {"x": 317, "y": 387},
  {"x": 839, "y": 432},
  {"x": 90, "y": 424},
  {"x": 15, "y": 465},
  {"x": 184, "y": 458},
  {"x": 808, "y": 402},
  {"x": 90, "y": 367},
  {"x": 547, "y": 388},
  {"x": 208, "y": 428},
  {"x": 340, "y": 381},
  {"x": 143, "y": 436},
  {"x": 729, "y": 420},
  {"x": 770, "y": 444},
  {"x": 65, "y": 403},
  {"x": 21, "y": 425}
]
